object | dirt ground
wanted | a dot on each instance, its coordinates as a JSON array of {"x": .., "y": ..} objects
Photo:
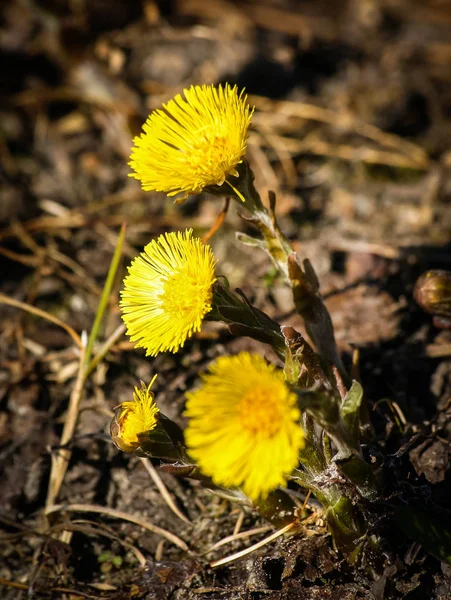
[{"x": 352, "y": 130}]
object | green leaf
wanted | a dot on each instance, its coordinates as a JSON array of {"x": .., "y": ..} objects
[
  {"x": 106, "y": 556},
  {"x": 117, "y": 561},
  {"x": 104, "y": 298},
  {"x": 433, "y": 534},
  {"x": 248, "y": 240},
  {"x": 350, "y": 408}
]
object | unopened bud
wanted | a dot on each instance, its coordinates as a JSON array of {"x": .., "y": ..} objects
[
  {"x": 139, "y": 427},
  {"x": 433, "y": 292},
  {"x": 134, "y": 420}
]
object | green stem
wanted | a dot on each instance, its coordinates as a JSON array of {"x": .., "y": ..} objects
[
  {"x": 302, "y": 280},
  {"x": 345, "y": 516},
  {"x": 104, "y": 298},
  {"x": 327, "y": 447}
]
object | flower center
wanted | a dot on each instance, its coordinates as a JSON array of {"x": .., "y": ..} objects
[
  {"x": 186, "y": 296},
  {"x": 212, "y": 158},
  {"x": 259, "y": 413}
]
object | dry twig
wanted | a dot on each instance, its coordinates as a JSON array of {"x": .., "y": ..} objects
[
  {"x": 260, "y": 544},
  {"x": 60, "y": 461},
  {"x": 118, "y": 514},
  {"x": 42, "y": 313}
]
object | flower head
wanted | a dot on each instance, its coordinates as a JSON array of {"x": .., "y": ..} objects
[
  {"x": 168, "y": 292},
  {"x": 244, "y": 426},
  {"x": 196, "y": 141},
  {"x": 133, "y": 419}
]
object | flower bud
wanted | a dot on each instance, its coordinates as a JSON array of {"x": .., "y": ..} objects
[
  {"x": 433, "y": 292},
  {"x": 138, "y": 426},
  {"x": 134, "y": 420}
]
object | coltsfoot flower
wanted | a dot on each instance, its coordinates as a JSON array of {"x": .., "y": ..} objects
[
  {"x": 133, "y": 419},
  {"x": 168, "y": 292},
  {"x": 195, "y": 142},
  {"x": 244, "y": 428}
]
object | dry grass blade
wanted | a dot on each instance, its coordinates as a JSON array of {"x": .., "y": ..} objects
[
  {"x": 163, "y": 490},
  {"x": 104, "y": 348},
  {"x": 89, "y": 528},
  {"x": 239, "y": 536},
  {"x": 344, "y": 121},
  {"x": 438, "y": 350},
  {"x": 239, "y": 522},
  {"x": 73, "y": 593},
  {"x": 60, "y": 461},
  {"x": 24, "y": 259},
  {"x": 48, "y": 223},
  {"x": 347, "y": 245},
  {"x": 289, "y": 22},
  {"x": 313, "y": 145},
  {"x": 118, "y": 514},
  {"x": 13, "y": 584},
  {"x": 78, "y": 270},
  {"x": 269, "y": 539},
  {"x": 41, "y": 313},
  {"x": 76, "y": 593}
]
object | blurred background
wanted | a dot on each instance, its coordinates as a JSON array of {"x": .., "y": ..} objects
[{"x": 351, "y": 130}]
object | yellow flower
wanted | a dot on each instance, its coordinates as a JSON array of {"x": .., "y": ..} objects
[
  {"x": 134, "y": 418},
  {"x": 196, "y": 141},
  {"x": 168, "y": 292},
  {"x": 244, "y": 426}
]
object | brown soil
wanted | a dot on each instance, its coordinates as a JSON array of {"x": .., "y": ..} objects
[{"x": 352, "y": 131}]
